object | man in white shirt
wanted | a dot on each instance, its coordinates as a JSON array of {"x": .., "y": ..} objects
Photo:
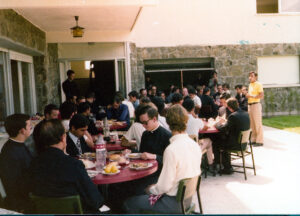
[
  {"x": 193, "y": 127},
  {"x": 159, "y": 103},
  {"x": 196, "y": 99},
  {"x": 182, "y": 159}
]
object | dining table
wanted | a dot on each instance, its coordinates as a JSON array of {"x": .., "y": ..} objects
[
  {"x": 117, "y": 125},
  {"x": 126, "y": 173}
]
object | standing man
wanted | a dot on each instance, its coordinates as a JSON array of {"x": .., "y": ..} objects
[
  {"x": 256, "y": 93},
  {"x": 70, "y": 87}
]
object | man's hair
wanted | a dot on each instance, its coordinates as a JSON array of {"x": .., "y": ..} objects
[
  {"x": 133, "y": 94},
  {"x": 66, "y": 110},
  {"x": 176, "y": 98},
  {"x": 78, "y": 121},
  {"x": 69, "y": 72},
  {"x": 48, "y": 109},
  {"x": 177, "y": 118},
  {"x": 80, "y": 98},
  {"x": 226, "y": 85},
  {"x": 238, "y": 87},
  {"x": 118, "y": 99},
  {"x": 192, "y": 91},
  {"x": 159, "y": 103},
  {"x": 188, "y": 104},
  {"x": 253, "y": 72},
  {"x": 142, "y": 89},
  {"x": 90, "y": 95},
  {"x": 232, "y": 103},
  {"x": 82, "y": 107},
  {"x": 145, "y": 100},
  {"x": 225, "y": 96},
  {"x": 175, "y": 88},
  {"x": 205, "y": 90},
  {"x": 48, "y": 133},
  {"x": 152, "y": 112},
  {"x": 14, "y": 123}
]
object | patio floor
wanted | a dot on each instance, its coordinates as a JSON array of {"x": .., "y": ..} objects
[{"x": 274, "y": 190}]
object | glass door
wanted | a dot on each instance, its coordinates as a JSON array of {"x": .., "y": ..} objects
[{"x": 122, "y": 76}]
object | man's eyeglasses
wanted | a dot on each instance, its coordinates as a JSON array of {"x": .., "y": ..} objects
[{"x": 145, "y": 122}]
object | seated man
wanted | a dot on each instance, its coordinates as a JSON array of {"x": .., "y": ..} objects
[
  {"x": 76, "y": 144},
  {"x": 51, "y": 111},
  {"x": 85, "y": 109},
  {"x": 118, "y": 111},
  {"x": 237, "y": 121},
  {"x": 192, "y": 128},
  {"x": 159, "y": 103},
  {"x": 15, "y": 159},
  {"x": 67, "y": 111},
  {"x": 182, "y": 159},
  {"x": 54, "y": 174}
]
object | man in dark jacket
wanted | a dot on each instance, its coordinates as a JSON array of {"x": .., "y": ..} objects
[
  {"x": 69, "y": 86},
  {"x": 55, "y": 174},
  {"x": 241, "y": 97},
  {"x": 237, "y": 121},
  {"x": 15, "y": 159}
]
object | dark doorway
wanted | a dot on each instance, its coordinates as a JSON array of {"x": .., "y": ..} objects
[{"x": 104, "y": 81}]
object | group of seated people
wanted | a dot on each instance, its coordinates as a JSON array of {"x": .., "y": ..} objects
[{"x": 45, "y": 163}]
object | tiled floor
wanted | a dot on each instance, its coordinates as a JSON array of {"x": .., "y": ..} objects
[{"x": 274, "y": 190}]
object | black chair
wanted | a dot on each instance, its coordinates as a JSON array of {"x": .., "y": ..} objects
[
  {"x": 244, "y": 140},
  {"x": 186, "y": 190},
  {"x": 56, "y": 205}
]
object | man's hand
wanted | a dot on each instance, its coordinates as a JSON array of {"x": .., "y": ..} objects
[
  {"x": 147, "y": 190},
  {"x": 148, "y": 156}
]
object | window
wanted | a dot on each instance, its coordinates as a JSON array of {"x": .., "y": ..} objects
[
  {"x": 277, "y": 6},
  {"x": 279, "y": 70}
]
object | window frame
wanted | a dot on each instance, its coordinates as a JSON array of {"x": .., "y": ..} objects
[{"x": 280, "y": 12}]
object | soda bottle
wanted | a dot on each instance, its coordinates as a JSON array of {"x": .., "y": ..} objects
[{"x": 100, "y": 153}]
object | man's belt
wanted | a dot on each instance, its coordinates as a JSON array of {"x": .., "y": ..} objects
[{"x": 253, "y": 103}]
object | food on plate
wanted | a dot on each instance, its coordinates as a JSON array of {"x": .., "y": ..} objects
[
  {"x": 114, "y": 157},
  {"x": 139, "y": 165},
  {"x": 122, "y": 160},
  {"x": 134, "y": 155},
  {"x": 111, "y": 168}
]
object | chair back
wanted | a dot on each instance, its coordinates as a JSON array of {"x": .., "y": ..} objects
[
  {"x": 186, "y": 189},
  {"x": 57, "y": 205},
  {"x": 244, "y": 138}
]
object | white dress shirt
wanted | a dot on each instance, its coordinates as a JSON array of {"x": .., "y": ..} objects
[
  {"x": 194, "y": 125},
  {"x": 163, "y": 122},
  {"x": 135, "y": 132},
  {"x": 197, "y": 101},
  {"x": 130, "y": 108},
  {"x": 66, "y": 124},
  {"x": 182, "y": 159}
]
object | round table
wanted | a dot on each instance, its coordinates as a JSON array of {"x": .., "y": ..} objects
[
  {"x": 115, "y": 126},
  {"x": 114, "y": 147},
  {"x": 209, "y": 130},
  {"x": 126, "y": 174}
]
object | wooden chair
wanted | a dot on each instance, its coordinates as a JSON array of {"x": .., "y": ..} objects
[
  {"x": 56, "y": 205},
  {"x": 244, "y": 140},
  {"x": 186, "y": 189}
]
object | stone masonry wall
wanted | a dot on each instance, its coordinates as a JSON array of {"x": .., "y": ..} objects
[
  {"x": 232, "y": 62},
  {"x": 21, "y": 31},
  {"x": 47, "y": 78}
]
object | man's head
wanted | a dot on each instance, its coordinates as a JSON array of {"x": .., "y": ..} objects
[
  {"x": 71, "y": 74},
  {"x": 177, "y": 98},
  {"x": 80, "y": 99},
  {"x": 252, "y": 77},
  {"x": 185, "y": 92},
  {"x": 238, "y": 89},
  {"x": 133, "y": 96},
  {"x": 192, "y": 92},
  {"x": 90, "y": 97},
  {"x": 78, "y": 125},
  {"x": 224, "y": 96},
  {"x": 149, "y": 118},
  {"x": 153, "y": 90},
  {"x": 225, "y": 86},
  {"x": 206, "y": 91},
  {"x": 244, "y": 90},
  {"x": 159, "y": 103},
  {"x": 143, "y": 92},
  {"x": 220, "y": 88},
  {"x": 18, "y": 124},
  {"x": 117, "y": 102},
  {"x": 84, "y": 108},
  {"x": 51, "y": 111},
  {"x": 49, "y": 133},
  {"x": 188, "y": 104},
  {"x": 177, "y": 118},
  {"x": 232, "y": 104},
  {"x": 67, "y": 110}
]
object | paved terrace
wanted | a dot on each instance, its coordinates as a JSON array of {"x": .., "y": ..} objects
[{"x": 274, "y": 190}]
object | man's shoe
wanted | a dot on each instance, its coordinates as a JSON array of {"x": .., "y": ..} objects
[
  {"x": 257, "y": 144},
  {"x": 227, "y": 171}
]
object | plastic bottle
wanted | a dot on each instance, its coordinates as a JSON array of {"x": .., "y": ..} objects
[{"x": 100, "y": 153}]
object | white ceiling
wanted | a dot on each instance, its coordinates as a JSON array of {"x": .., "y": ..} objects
[{"x": 101, "y": 18}]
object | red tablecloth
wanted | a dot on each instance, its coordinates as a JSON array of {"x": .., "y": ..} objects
[
  {"x": 126, "y": 174},
  {"x": 209, "y": 130},
  {"x": 115, "y": 126},
  {"x": 114, "y": 147}
]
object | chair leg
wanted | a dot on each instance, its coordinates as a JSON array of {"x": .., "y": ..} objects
[
  {"x": 253, "y": 163},
  {"x": 243, "y": 157},
  {"x": 221, "y": 151},
  {"x": 198, "y": 196}
]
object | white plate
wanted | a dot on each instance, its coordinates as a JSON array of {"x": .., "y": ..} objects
[
  {"x": 117, "y": 167},
  {"x": 104, "y": 173},
  {"x": 88, "y": 164},
  {"x": 140, "y": 168},
  {"x": 134, "y": 155},
  {"x": 92, "y": 173}
]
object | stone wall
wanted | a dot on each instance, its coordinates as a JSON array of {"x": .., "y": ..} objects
[
  {"x": 232, "y": 62},
  {"x": 47, "y": 78},
  {"x": 21, "y": 31}
]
